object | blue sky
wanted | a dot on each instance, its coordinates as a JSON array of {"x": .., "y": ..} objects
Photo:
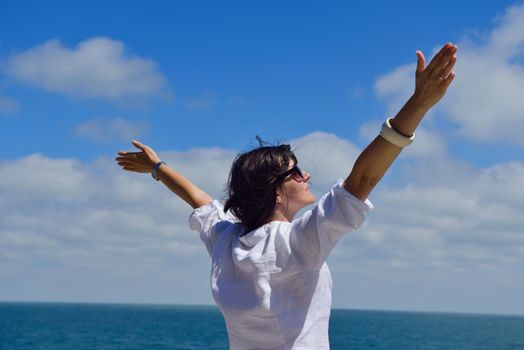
[
  {"x": 197, "y": 81},
  {"x": 278, "y": 69}
]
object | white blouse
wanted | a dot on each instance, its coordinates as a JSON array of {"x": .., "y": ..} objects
[{"x": 273, "y": 285}]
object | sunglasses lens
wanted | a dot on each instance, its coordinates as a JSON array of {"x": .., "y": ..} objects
[{"x": 297, "y": 174}]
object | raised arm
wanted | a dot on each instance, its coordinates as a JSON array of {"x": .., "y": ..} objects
[
  {"x": 143, "y": 162},
  {"x": 431, "y": 85}
]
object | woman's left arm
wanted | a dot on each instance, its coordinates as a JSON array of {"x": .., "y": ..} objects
[{"x": 431, "y": 85}]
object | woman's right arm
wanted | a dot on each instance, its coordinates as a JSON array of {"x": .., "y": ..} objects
[
  {"x": 143, "y": 162},
  {"x": 431, "y": 85}
]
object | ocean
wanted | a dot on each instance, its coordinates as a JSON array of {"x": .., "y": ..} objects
[{"x": 60, "y": 326}]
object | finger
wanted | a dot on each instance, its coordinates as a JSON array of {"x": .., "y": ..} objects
[
  {"x": 129, "y": 168},
  {"x": 445, "y": 83},
  {"x": 129, "y": 159},
  {"x": 446, "y": 70},
  {"x": 421, "y": 62},
  {"x": 438, "y": 56},
  {"x": 120, "y": 159},
  {"x": 138, "y": 145},
  {"x": 128, "y": 156},
  {"x": 442, "y": 62}
]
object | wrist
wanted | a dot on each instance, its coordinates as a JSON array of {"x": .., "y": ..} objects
[
  {"x": 154, "y": 170},
  {"x": 410, "y": 116},
  {"x": 395, "y": 137},
  {"x": 419, "y": 104}
]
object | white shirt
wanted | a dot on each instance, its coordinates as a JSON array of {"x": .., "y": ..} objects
[{"x": 273, "y": 285}]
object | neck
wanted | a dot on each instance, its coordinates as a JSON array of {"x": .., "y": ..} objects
[{"x": 282, "y": 214}]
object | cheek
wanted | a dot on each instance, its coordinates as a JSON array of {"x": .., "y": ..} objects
[
  {"x": 292, "y": 190},
  {"x": 295, "y": 193}
]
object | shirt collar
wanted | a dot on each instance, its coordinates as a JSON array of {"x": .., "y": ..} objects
[{"x": 251, "y": 238}]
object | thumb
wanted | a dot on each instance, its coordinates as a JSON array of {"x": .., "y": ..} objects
[
  {"x": 138, "y": 144},
  {"x": 421, "y": 62}
]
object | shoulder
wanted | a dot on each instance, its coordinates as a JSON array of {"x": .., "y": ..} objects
[
  {"x": 338, "y": 194},
  {"x": 208, "y": 215}
]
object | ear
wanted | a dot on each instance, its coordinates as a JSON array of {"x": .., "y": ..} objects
[{"x": 280, "y": 193}]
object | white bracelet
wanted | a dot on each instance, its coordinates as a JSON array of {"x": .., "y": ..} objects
[{"x": 394, "y": 136}]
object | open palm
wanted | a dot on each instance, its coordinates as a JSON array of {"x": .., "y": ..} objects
[{"x": 140, "y": 162}]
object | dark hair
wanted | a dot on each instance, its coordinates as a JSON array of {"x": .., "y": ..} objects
[{"x": 252, "y": 186}]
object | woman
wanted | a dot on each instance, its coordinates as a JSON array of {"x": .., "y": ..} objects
[{"x": 269, "y": 276}]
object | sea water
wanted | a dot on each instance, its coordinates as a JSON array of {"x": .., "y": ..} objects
[{"x": 57, "y": 326}]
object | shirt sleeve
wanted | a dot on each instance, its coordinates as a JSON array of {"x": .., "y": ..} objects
[
  {"x": 208, "y": 220},
  {"x": 314, "y": 235}
]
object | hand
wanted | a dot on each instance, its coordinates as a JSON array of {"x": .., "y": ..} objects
[
  {"x": 140, "y": 162},
  {"x": 433, "y": 80}
]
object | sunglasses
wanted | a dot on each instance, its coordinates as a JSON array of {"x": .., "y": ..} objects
[{"x": 295, "y": 172}]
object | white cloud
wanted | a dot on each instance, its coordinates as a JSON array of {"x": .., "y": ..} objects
[
  {"x": 111, "y": 129},
  {"x": 96, "y": 68},
  {"x": 62, "y": 219},
  {"x": 36, "y": 178},
  {"x": 485, "y": 99},
  {"x": 487, "y": 102},
  {"x": 396, "y": 87},
  {"x": 8, "y": 105},
  {"x": 326, "y": 157},
  {"x": 206, "y": 101}
]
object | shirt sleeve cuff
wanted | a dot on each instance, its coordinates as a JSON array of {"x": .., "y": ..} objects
[
  {"x": 364, "y": 205},
  {"x": 199, "y": 215}
]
